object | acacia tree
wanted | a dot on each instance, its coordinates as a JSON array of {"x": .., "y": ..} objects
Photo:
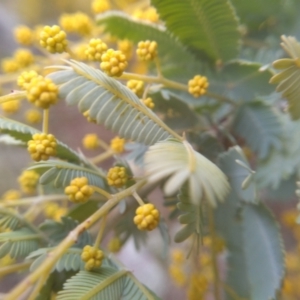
[{"x": 204, "y": 125}]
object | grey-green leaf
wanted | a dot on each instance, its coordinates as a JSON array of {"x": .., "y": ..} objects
[
  {"x": 260, "y": 126},
  {"x": 110, "y": 103}
]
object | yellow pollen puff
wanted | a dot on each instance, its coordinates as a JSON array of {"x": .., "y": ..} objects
[
  {"x": 23, "y": 57},
  {"x": 95, "y": 49},
  {"x": 114, "y": 245},
  {"x": 42, "y": 146},
  {"x": 147, "y": 50},
  {"x": 87, "y": 115},
  {"x": 149, "y": 102},
  {"x": 117, "y": 144},
  {"x": 79, "y": 51},
  {"x": 137, "y": 86},
  {"x": 177, "y": 256},
  {"x": 25, "y": 78},
  {"x": 24, "y": 35},
  {"x": 9, "y": 65},
  {"x": 90, "y": 141},
  {"x": 177, "y": 275},
  {"x": 79, "y": 191},
  {"x": 113, "y": 62},
  {"x": 149, "y": 14},
  {"x": 126, "y": 47},
  {"x": 53, "y": 39},
  {"x": 11, "y": 195},
  {"x": 79, "y": 23},
  {"x": 33, "y": 116},
  {"x": 28, "y": 181},
  {"x": 92, "y": 257},
  {"x": 198, "y": 86},
  {"x": 100, "y": 6},
  {"x": 147, "y": 217},
  {"x": 42, "y": 92},
  {"x": 117, "y": 176},
  {"x": 11, "y": 106}
]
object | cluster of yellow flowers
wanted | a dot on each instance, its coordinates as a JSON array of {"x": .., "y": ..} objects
[{"x": 92, "y": 257}]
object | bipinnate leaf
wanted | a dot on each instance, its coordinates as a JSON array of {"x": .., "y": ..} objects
[
  {"x": 208, "y": 26},
  {"x": 289, "y": 76},
  {"x": 69, "y": 261},
  {"x": 181, "y": 163},
  {"x": 57, "y": 231},
  {"x": 60, "y": 173},
  {"x": 252, "y": 237},
  {"x": 22, "y": 132},
  {"x": 260, "y": 126},
  {"x": 190, "y": 216},
  {"x": 170, "y": 50},
  {"x": 9, "y": 221},
  {"x": 103, "y": 284},
  {"x": 237, "y": 174},
  {"x": 110, "y": 103},
  {"x": 18, "y": 243}
]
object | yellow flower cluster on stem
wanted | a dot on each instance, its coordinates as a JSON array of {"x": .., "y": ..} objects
[
  {"x": 147, "y": 217},
  {"x": 117, "y": 177},
  {"x": 79, "y": 190},
  {"x": 28, "y": 181},
  {"x": 92, "y": 257},
  {"x": 113, "y": 62},
  {"x": 42, "y": 146},
  {"x": 53, "y": 39}
]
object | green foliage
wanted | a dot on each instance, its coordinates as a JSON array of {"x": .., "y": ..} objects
[
  {"x": 170, "y": 51},
  {"x": 260, "y": 126},
  {"x": 18, "y": 243},
  {"x": 106, "y": 283},
  {"x": 70, "y": 261},
  {"x": 109, "y": 103},
  {"x": 23, "y": 133},
  {"x": 253, "y": 240},
  {"x": 243, "y": 80},
  {"x": 288, "y": 78},
  {"x": 209, "y": 26},
  {"x": 8, "y": 220},
  {"x": 60, "y": 173},
  {"x": 237, "y": 174},
  {"x": 190, "y": 216},
  {"x": 57, "y": 231}
]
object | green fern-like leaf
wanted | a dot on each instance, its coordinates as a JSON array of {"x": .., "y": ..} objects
[
  {"x": 107, "y": 283},
  {"x": 190, "y": 216},
  {"x": 254, "y": 243},
  {"x": 8, "y": 221},
  {"x": 69, "y": 261},
  {"x": 260, "y": 126},
  {"x": 288, "y": 78},
  {"x": 57, "y": 231},
  {"x": 109, "y": 103},
  {"x": 61, "y": 173},
  {"x": 209, "y": 26},
  {"x": 183, "y": 164},
  {"x": 18, "y": 243},
  {"x": 243, "y": 81},
  {"x": 23, "y": 133},
  {"x": 170, "y": 51}
]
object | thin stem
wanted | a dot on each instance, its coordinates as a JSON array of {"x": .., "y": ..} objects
[
  {"x": 16, "y": 95},
  {"x": 103, "y": 145},
  {"x": 103, "y": 156},
  {"x": 100, "y": 233},
  {"x": 46, "y": 121},
  {"x": 158, "y": 67},
  {"x": 34, "y": 200},
  {"x": 48, "y": 263},
  {"x": 138, "y": 199},
  {"x": 101, "y": 191},
  {"x": 37, "y": 288},
  {"x": 221, "y": 98},
  {"x": 214, "y": 252},
  {"x": 15, "y": 268}
]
